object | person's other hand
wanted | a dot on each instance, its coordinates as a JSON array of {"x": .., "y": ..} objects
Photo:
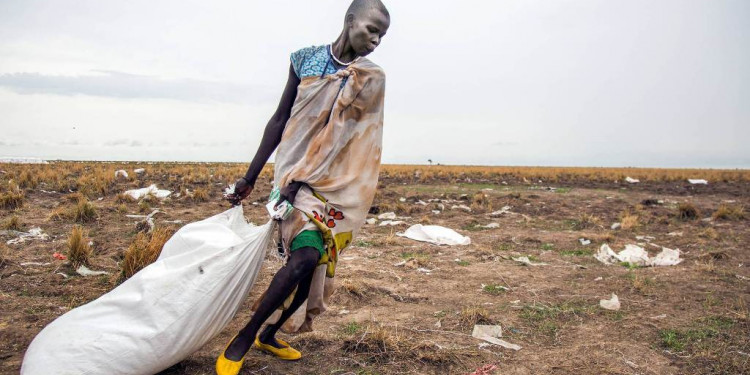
[{"x": 242, "y": 189}]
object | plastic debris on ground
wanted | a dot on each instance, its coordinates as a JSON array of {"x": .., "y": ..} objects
[
  {"x": 371, "y": 221},
  {"x": 435, "y": 234},
  {"x": 85, "y": 271},
  {"x": 584, "y": 241},
  {"x": 461, "y": 207},
  {"x": 675, "y": 234},
  {"x": 139, "y": 171},
  {"x": 616, "y": 226},
  {"x": 610, "y": 304},
  {"x": 22, "y": 160},
  {"x": 637, "y": 255},
  {"x": 387, "y": 216},
  {"x": 33, "y": 234},
  {"x": 502, "y": 211},
  {"x": 488, "y": 369},
  {"x": 491, "y": 225},
  {"x": 228, "y": 191},
  {"x": 59, "y": 256},
  {"x": 153, "y": 190},
  {"x": 122, "y": 173},
  {"x": 631, "y": 180},
  {"x": 391, "y": 222},
  {"x": 697, "y": 181},
  {"x": 492, "y": 334},
  {"x": 435, "y": 212},
  {"x": 526, "y": 261}
]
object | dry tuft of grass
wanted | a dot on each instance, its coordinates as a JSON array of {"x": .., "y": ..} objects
[
  {"x": 144, "y": 250},
  {"x": 4, "y": 255},
  {"x": 377, "y": 342},
  {"x": 12, "y": 198},
  {"x": 124, "y": 198},
  {"x": 586, "y": 221},
  {"x": 687, "y": 211},
  {"x": 628, "y": 220},
  {"x": 709, "y": 233},
  {"x": 84, "y": 211},
  {"x": 13, "y": 223},
  {"x": 355, "y": 288},
  {"x": 79, "y": 251},
  {"x": 727, "y": 212},
  {"x": 471, "y": 315},
  {"x": 200, "y": 195}
]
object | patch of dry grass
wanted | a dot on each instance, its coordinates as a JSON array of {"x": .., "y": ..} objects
[
  {"x": 4, "y": 255},
  {"x": 629, "y": 220},
  {"x": 728, "y": 212},
  {"x": 79, "y": 252},
  {"x": 586, "y": 221},
  {"x": 200, "y": 195},
  {"x": 12, "y": 198},
  {"x": 144, "y": 250},
  {"x": 471, "y": 315},
  {"x": 13, "y": 223},
  {"x": 377, "y": 342}
]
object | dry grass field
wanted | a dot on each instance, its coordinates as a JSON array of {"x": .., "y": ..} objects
[{"x": 391, "y": 317}]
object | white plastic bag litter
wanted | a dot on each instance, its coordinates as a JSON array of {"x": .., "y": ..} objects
[
  {"x": 163, "y": 313},
  {"x": 637, "y": 255},
  {"x": 435, "y": 234},
  {"x": 152, "y": 189}
]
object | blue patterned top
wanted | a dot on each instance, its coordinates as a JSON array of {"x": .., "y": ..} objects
[{"x": 311, "y": 61}]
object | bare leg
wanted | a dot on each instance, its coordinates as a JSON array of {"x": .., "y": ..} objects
[
  {"x": 303, "y": 290},
  {"x": 301, "y": 263}
]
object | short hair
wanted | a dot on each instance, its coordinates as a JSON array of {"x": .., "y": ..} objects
[{"x": 359, "y": 6}]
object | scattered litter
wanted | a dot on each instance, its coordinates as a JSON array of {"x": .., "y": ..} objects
[
  {"x": 400, "y": 264},
  {"x": 371, "y": 221},
  {"x": 65, "y": 276},
  {"x": 153, "y": 190},
  {"x": 421, "y": 203},
  {"x": 662, "y": 316},
  {"x": 391, "y": 223},
  {"x": 631, "y": 180},
  {"x": 85, "y": 271},
  {"x": 584, "y": 241},
  {"x": 343, "y": 312},
  {"x": 139, "y": 171},
  {"x": 438, "y": 324},
  {"x": 697, "y": 181},
  {"x": 147, "y": 224},
  {"x": 22, "y": 160},
  {"x": 488, "y": 369},
  {"x": 59, "y": 256},
  {"x": 637, "y": 255},
  {"x": 673, "y": 234},
  {"x": 599, "y": 278},
  {"x": 435, "y": 212},
  {"x": 32, "y": 234},
  {"x": 610, "y": 304},
  {"x": 435, "y": 234},
  {"x": 745, "y": 278},
  {"x": 424, "y": 270},
  {"x": 441, "y": 206},
  {"x": 526, "y": 261},
  {"x": 387, "y": 216},
  {"x": 502, "y": 211},
  {"x": 492, "y": 334},
  {"x": 616, "y": 226},
  {"x": 38, "y": 264},
  {"x": 172, "y": 221},
  {"x": 402, "y": 199},
  {"x": 122, "y": 173},
  {"x": 645, "y": 238},
  {"x": 461, "y": 207},
  {"x": 491, "y": 226}
]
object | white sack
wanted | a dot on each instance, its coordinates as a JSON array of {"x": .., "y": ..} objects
[
  {"x": 153, "y": 190},
  {"x": 610, "y": 304},
  {"x": 697, "y": 181},
  {"x": 435, "y": 234},
  {"x": 163, "y": 313}
]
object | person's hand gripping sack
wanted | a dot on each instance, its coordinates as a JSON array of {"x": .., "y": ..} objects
[{"x": 242, "y": 188}]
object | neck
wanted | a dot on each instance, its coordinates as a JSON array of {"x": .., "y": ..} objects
[{"x": 342, "y": 49}]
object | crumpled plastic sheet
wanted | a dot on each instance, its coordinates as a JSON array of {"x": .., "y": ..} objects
[
  {"x": 610, "y": 304},
  {"x": 435, "y": 234},
  {"x": 492, "y": 334},
  {"x": 33, "y": 234},
  {"x": 153, "y": 190},
  {"x": 637, "y": 255}
]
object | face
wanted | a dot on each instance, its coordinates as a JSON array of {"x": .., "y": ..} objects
[{"x": 367, "y": 30}]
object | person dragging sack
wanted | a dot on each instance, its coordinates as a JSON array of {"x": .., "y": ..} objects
[{"x": 328, "y": 129}]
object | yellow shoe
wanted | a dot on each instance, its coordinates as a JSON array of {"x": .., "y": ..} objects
[
  {"x": 287, "y": 352},
  {"x": 225, "y": 366}
]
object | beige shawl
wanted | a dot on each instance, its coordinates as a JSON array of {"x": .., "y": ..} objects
[{"x": 332, "y": 142}]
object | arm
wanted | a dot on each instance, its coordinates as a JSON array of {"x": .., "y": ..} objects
[
  {"x": 274, "y": 128},
  {"x": 271, "y": 139}
]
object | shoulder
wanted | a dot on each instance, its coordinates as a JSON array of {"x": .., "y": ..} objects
[
  {"x": 305, "y": 56},
  {"x": 372, "y": 69}
]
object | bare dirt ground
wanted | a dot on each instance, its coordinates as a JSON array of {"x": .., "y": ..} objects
[{"x": 385, "y": 318}]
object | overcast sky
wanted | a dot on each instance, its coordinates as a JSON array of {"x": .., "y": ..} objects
[{"x": 514, "y": 82}]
